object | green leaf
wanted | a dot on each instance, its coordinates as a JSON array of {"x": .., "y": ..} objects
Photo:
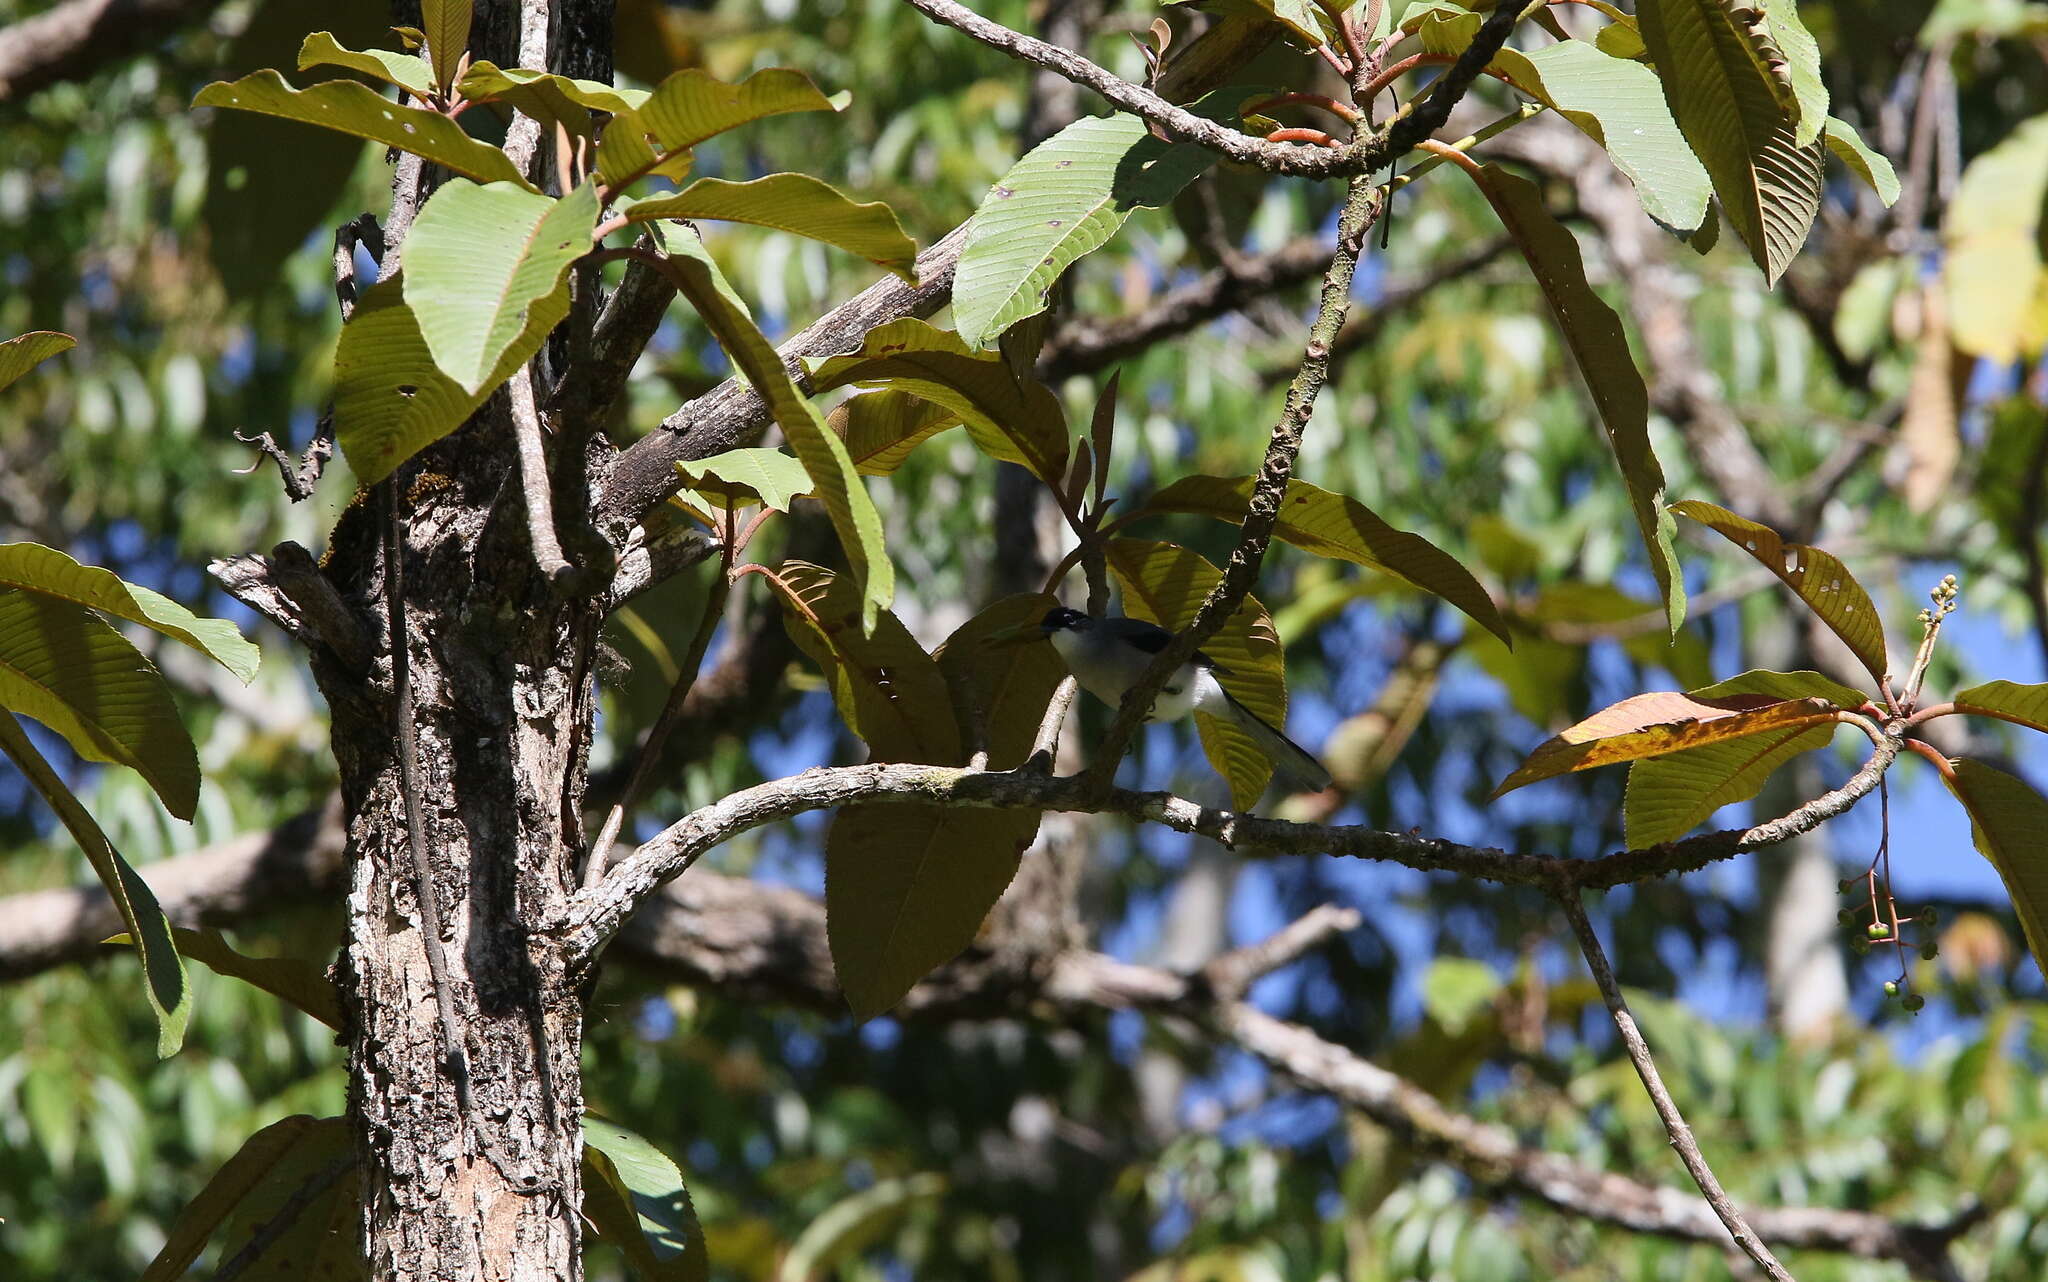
[
  {"x": 1732, "y": 92},
  {"x": 170, "y": 998},
  {"x": 1670, "y": 796},
  {"x": 1820, "y": 580},
  {"x": 1802, "y": 55},
  {"x": 308, "y": 1210},
  {"x": 1334, "y": 525},
  {"x": 1166, "y": 584},
  {"x": 2023, "y": 705},
  {"x": 888, "y": 689},
  {"x": 634, "y": 1196},
  {"x": 744, "y": 476},
  {"x": 2007, "y": 818},
  {"x": 298, "y": 982},
  {"x": 1993, "y": 268},
  {"x": 882, "y": 428},
  {"x": 1299, "y": 20},
  {"x": 548, "y": 98},
  {"x": 390, "y": 399},
  {"x": 251, "y": 1168},
  {"x": 1659, "y": 724},
  {"x": 853, "y": 1223},
  {"x": 62, "y": 665},
  {"x": 485, "y": 266},
  {"x": 405, "y": 70},
  {"x": 800, "y": 205},
  {"x": 907, "y": 888},
  {"x": 357, "y": 109},
  {"x": 446, "y": 25},
  {"x": 690, "y": 106},
  {"x": 1599, "y": 346},
  {"x": 838, "y": 485},
  {"x": 1067, "y": 197},
  {"x": 1005, "y": 688},
  {"x": 1613, "y": 101},
  {"x": 20, "y": 355},
  {"x": 1864, "y": 161},
  {"x": 1454, "y": 989},
  {"x": 35, "y": 568},
  {"x": 1013, "y": 418}
]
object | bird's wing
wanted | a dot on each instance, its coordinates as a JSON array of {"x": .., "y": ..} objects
[{"x": 1151, "y": 638}]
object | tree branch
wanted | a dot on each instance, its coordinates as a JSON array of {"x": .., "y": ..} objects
[{"x": 77, "y": 38}]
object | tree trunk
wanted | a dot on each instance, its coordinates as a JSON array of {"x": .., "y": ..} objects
[{"x": 500, "y": 701}]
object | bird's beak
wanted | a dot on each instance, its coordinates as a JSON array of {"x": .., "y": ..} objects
[{"x": 1019, "y": 635}]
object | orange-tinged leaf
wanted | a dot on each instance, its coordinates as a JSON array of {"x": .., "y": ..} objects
[
  {"x": 2007, "y": 818},
  {"x": 1661, "y": 723},
  {"x": 889, "y": 690},
  {"x": 2023, "y": 705},
  {"x": 1818, "y": 578}
]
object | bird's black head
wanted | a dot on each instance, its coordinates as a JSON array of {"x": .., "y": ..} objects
[{"x": 1062, "y": 619}]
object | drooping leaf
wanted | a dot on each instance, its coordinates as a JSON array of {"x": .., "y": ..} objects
[
  {"x": 1599, "y": 347},
  {"x": 548, "y": 98},
  {"x": 1335, "y": 525},
  {"x": 482, "y": 263},
  {"x": 1613, "y": 101},
  {"x": 854, "y": 516},
  {"x": 1102, "y": 430},
  {"x": 856, "y": 1222},
  {"x": 1670, "y": 796},
  {"x": 1818, "y": 579},
  {"x": 352, "y": 108},
  {"x": 61, "y": 664},
  {"x": 445, "y": 24},
  {"x": 1006, "y": 687},
  {"x": 252, "y": 1166},
  {"x": 1659, "y": 724},
  {"x": 35, "y": 568},
  {"x": 1993, "y": 267},
  {"x": 405, "y": 70},
  {"x": 170, "y": 997},
  {"x": 1731, "y": 90},
  {"x": 300, "y": 983},
  {"x": 690, "y": 106},
  {"x": 1013, "y": 418},
  {"x": 882, "y": 428},
  {"x": 800, "y": 205},
  {"x": 20, "y": 355},
  {"x": 2007, "y": 818},
  {"x": 302, "y": 1220},
  {"x": 390, "y": 399},
  {"x": 907, "y": 888},
  {"x": 753, "y": 475},
  {"x": 1864, "y": 161},
  {"x": 1166, "y": 584},
  {"x": 1064, "y": 199},
  {"x": 1299, "y": 20},
  {"x": 2023, "y": 705},
  {"x": 1802, "y": 58},
  {"x": 635, "y": 1197},
  {"x": 888, "y": 689}
]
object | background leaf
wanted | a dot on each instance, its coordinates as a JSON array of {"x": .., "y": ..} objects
[
  {"x": 1993, "y": 267},
  {"x": 635, "y": 1197},
  {"x": 20, "y": 355},
  {"x": 253, "y": 1165}
]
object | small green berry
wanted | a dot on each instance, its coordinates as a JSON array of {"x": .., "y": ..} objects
[
  {"x": 1891, "y": 988},
  {"x": 1878, "y": 930},
  {"x": 1914, "y": 1003}
]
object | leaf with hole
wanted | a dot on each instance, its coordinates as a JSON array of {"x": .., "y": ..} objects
[
  {"x": 164, "y": 983},
  {"x": 800, "y": 205},
  {"x": 351, "y": 108},
  {"x": 1166, "y": 584},
  {"x": 1334, "y": 525},
  {"x": 1731, "y": 89},
  {"x": 20, "y": 355},
  {"x": 1659, "y": 724},
  {"x": 1063, "y": 200},
  {"x": 2007, "y": 818},
  {"x": 391, "y": 400},
  {"x": 486, "y": 274},
  {"x": 1670, "y": 796},
  {"x": 690, "y": 106},
  {"x": 35, "y": 568},
  {"x": 634, "y": 1196},
  {"x": 1817, "y": 577}
]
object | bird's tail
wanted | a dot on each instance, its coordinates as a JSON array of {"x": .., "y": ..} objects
[{"x": 1289, "y": 758}]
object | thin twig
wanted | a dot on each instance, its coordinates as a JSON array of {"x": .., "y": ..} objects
[
  {"x": 1667, "y": 1110},
  {"x": 533, "y": 481}
]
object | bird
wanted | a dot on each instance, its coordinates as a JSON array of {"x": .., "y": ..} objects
[{"x": 1107, "y": 657}]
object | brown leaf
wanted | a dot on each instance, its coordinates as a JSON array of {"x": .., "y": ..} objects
[{"x": 1658, "y": 724}]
